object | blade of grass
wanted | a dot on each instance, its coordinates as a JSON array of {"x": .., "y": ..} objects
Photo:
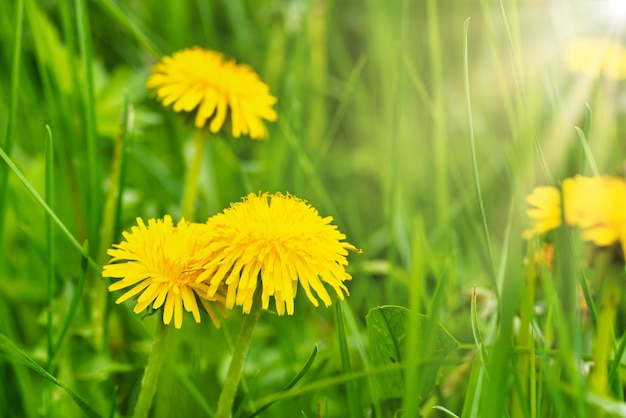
[
  {"x": 117, "y": 13},
  {"x": 49, "y": 195},
  {"x": 479, "y": 197},
  {"x": 360, "y": 346},
  {"x": 292, "y": 382},
  {"x": 587, "y": 151},
  {"x": 309, "y": 170},
  {"x": 88, "y": 102},
  {"x": 615, "y": 380},
  {"x": 98, "y": 288},
  {"x": 439, "y": 112},
  {"x": 17, "y": 356},
  {"x": 10, "y": 132},
  {"x": 417, "y": 284},
  {"x": 353, "y": 402},
  {"x": 76, "y": 299},
  {"x": 47, "y": 208},
  {"x": 345, "y": 100},
  {"x": 6, "y": 322},
  {"x": 446, "y": 411}
]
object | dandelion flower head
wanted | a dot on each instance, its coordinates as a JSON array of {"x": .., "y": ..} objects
[
  {"x": 597, "y": 205},
  {"x": 280, "y": 242},
  {"x": 545, "y": 212},
  {"x": 155, "y": 262},
  {"x": 215, "y": 87}
]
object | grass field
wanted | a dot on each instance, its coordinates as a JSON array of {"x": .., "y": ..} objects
[{"x": 420, "y": 126}]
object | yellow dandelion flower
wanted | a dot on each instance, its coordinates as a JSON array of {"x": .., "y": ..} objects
[
  {"x": 215, "y": 87},
  {"x": 595, "y": 57},
  {"x": 157, "y": 266},
  {"x": 280, "y": 240},
  {"x": 598, "y": 206},
  {"x": 546, "y": 211}
]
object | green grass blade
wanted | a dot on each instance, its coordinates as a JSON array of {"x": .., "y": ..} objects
[
  {"x": 446, "y": 411},
  {"x": 13, "y": 96},
  {"x": 91, "y": 136},
  {"x": 479, "y": 197},
  {"x": 49, "y": 195},
  {"x": 352, "y": 398},
  {"x": 47, "y": 208},
  {"x": 74, "y": 303},
  {"x": 587, "y": 151},
  {"x": 17, "y": 356},
  {"x": 117, "y": 13},
  {"x": 292, "y": 382}
]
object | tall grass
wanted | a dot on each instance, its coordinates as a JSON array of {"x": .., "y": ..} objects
[{"x": 418, "y": 130}]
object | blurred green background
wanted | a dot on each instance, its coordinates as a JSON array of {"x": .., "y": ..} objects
[{"x": 373, "y": 129}]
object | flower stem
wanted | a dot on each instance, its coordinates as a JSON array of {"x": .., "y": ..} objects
[
  {"x": 151, "y": 373},
  {"x": 227, "y": 396},
  {"x": 190, "y": 193},
  {"x": 603, "y": 338}
]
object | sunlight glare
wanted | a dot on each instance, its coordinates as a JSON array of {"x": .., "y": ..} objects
[{"x": 616, "y": 9}]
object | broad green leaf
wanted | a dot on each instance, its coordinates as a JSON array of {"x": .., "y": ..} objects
[
  {"x": 387, "y": 328},
  {"x": 14, "y": 355}
]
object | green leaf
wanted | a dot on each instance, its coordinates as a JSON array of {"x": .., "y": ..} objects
[
  {"x": 13, "y": 354},
  {"x": 292, "y": 382},
  {"x": 387, "y": 328}
]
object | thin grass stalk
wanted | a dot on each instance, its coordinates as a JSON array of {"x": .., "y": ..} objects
[
  {"x": 6, "y": 321},
  {"x": 49, "y": 196},
  {"x": 121, "y": 18},
  {"x": 91, "y": 137},
  {"x": 9, "y": 138},
  {"x": 50, "y": 273},
  {"x": 559, "y": 292},
  {"x": 190, "y": 191},
  {"x": 98, "y": 292},
  {"x": 524, "y": 335},
  {"x": 74, "y": 303},
  {"x": 439, "y": 113},
  {"x": 415, "y": 338},
  {"x": 359, "y": 343},
  {"x": 602, "y": 344},
  {"x": 44, "y": 205},
  {"x": 351, "y": 394},
  {"x": 317, "y": 72},
  {"x": 479, "y": 197}
]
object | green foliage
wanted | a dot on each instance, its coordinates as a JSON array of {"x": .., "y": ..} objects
[
  {"x": 387, "y": 328},
  {"x": 419, "y": 131}
]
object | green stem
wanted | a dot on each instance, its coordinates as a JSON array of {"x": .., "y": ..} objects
[
  {"x": 227, "y": 396},
  {"x": 603, "y": 338},
  {"x": 190, "y": 193},
  {"x": 151, "y": 373},
  {"x": 98, "y": 291}
]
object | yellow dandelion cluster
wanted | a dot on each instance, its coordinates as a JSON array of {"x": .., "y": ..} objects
[
  {"x": 155, "y": 261},
  {"x": 596, "y": 205},
  {"x": 282, "y": 241},
  {"x": 204, "y": 81},
  {"x": 595, "y": 57},
  {"x": 275, "y": 241}
]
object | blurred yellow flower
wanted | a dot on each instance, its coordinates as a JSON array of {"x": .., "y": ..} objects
[
  {"x": 598, "y": 206},
  {"x": 546, "y": 211},
  {"x": 595, "y": 57},
  {"x": 215, "y": 87},
  {"x": 278, "y": 241},
  {"x": 157, "y": 265}
]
